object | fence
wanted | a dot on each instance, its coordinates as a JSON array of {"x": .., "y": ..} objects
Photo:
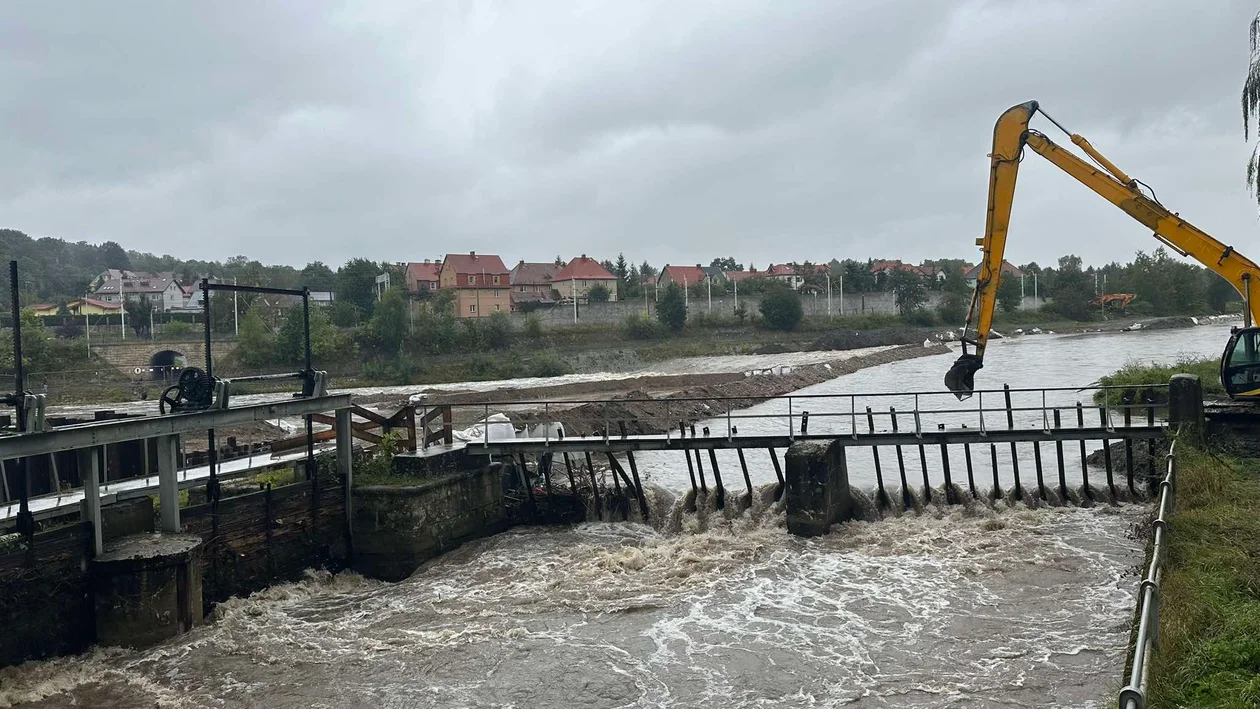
[{"x": 1133, "y": 696}]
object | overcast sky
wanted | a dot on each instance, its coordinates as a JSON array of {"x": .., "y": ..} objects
[{"x": 672, "y": 131}]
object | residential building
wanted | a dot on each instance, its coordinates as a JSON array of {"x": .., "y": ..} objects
[
  {"x": 78, "y": 306},
  {"x": 480, "y": 283},
  {"x": 1008, "y": 270},
  {"x": 784, "y": 273},
  {"x": 736, "y": 276},
  {"x": 684, "y": 276},
  {"x": 580, "y": 275},
  {"x": 423, "y": 276},
  {"x": 160, "y": 289},
  {"x": 534, "y": 283}
]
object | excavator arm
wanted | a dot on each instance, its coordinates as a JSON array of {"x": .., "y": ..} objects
[{"x": 1010, "y": 136}]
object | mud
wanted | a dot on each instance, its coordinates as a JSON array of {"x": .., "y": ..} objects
[{"x": 641, "y": 413}]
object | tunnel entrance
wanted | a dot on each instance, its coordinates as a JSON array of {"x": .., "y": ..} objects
[{"x": 166, "y": 364}]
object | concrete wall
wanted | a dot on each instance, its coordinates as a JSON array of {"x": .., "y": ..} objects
[
  {"x": 724, "y": 306},
  {"x": 46, "y": 599},
  {"x": 399, "y": 527}
]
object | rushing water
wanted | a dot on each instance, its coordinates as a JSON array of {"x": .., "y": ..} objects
[{"x": 955, "y": 607}]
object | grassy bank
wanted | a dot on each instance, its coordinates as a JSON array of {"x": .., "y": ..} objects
[
  {"x": 1209, "y": 614},
  {"x": 1148, "y": 383}
]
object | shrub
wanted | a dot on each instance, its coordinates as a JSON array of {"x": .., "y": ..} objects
[
  {"x": 920, "y": 318},
  {"x": 671, "y": 309},
  {"x": 640, "y": 327},
  {"x": 598, "y": 294},
  {"x": 781, "y": 309},
  {"x": 176, "y": 328},
  {"x": 548, "y": 364},
  {"x": 533, "y": 327},
  {"x": 952, "y": 309},
  {"x": 497, "y": 330}
]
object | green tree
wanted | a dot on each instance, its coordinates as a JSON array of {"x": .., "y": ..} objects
[
  {"x": 290, "y": 344},
  {"x": 497, "y": 331},
  {"x": 781, "y": 309},
  {"x": 114, "y": 256},
  {"x": 255, "y": 346},
  {"x": 1220, "y": 292},
  {"x": 908, "y": 289},
  {"x": 356, "y": 284},
  {"x": 621, "y": 270},
  {"x": 317, "y": 276},
  {"x": 139, "y": 310},
  {"x": 1251, "y": 107},
  {"x": 726, "y": 264},
  {"x": 598, "y": 293},
  {"x": 671, "y": 309},
  {"x": 952, "y": 310},
  {"x": 1072, "y": 290},
  {"x": 1009, "y": 295},
  {"x": 389, "y": 322}
]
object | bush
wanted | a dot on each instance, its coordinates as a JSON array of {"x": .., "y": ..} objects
[
  {"x": 176, "y": 328},
  {"x": 952, "y": 309},
  {"x": 640, "y": 327},
  {"x": 671, "y": 309},
  {"x": 70, "y": 331},
  {"x": 781, "y": 309},
  {"x": 497, "y": 330},
  {"x": 533, "y": 327},
  {"x": 920, "y": 318},
  {"x": 548, "y": 364},
  {"x": 598, "y": 294}
]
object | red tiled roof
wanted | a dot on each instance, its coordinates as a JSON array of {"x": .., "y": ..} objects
[
  {"x": 99, "y": 303},
  {"x": 423, "y": 272},
  {"x": 780, "y": 270},
  {"x": 684, "y": 275},
  {"x": 476, "y": 266},
  {"x": 743, "y": 275},
  {"x": 584, "y": 268},
  {"x": 534, "y": 274},
  {"x": 1008, "y": 269}
]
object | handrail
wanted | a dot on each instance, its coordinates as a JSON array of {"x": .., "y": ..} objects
[{"x": 1133, "y": 696}]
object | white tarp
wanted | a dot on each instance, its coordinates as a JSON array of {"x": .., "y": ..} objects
[{"x": 497, "y": 427}]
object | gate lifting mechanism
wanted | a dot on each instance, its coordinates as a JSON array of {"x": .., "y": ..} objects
[{"x": 199, "y": 390}]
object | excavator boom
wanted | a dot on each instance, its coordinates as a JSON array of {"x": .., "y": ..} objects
[{"x": 1010, "y": 136}]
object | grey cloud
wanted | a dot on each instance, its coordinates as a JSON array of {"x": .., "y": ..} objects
[{"x": 670, "y": 131}]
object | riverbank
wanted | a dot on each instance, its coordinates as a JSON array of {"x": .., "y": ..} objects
[{"x": 1209, "y": 610}]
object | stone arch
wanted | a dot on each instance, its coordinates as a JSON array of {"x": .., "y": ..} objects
[{"x": 165, "y": 364}]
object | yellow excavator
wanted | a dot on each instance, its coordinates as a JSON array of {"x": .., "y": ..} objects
[{"x": 1240, "y": 363}]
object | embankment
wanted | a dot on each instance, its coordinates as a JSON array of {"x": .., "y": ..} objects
[{"x": 643, "y": 414}]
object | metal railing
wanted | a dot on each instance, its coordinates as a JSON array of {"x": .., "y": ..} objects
[
  {"x": 1133, "y": 695},
  {"x": 1041, "y": 407}
]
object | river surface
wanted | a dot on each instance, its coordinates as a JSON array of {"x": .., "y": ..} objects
[{"x": 953, "y": 607}]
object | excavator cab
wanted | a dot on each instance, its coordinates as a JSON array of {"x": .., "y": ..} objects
[{"x": 1240, "y": 364}]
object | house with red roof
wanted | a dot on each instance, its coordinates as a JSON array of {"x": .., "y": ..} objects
[
  {"x": 579, "y": 276},
  {"x": 784, "y": 273},
  {"x": 1008, "y": 270},
  {"x": 422, "y": 276},
  {"x": 684, "y": 276},
  {"x": 480, "y": 283},
  {"x": 534, "y": 283}
]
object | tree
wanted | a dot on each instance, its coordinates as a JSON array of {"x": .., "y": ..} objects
[
  {"x": 621, "y": 270},
  {"x": 952, "y": 309},
  {"x": 291, "y": 345},
  {"x": 139, "y": 311},
  {"x": 598, "y": 293},
  {"x": 781, "y": 308},
  {"x": 671, "y": 309},
  {"x": 317, "y": 276},
  {"x": 1251, "y": 107},
  {"x": 115, "y": 256},
  {"x": 389, "y": 323},
  {"x": 356, "y": 283},
  {"x": 1072, "y": 289},
  {"x": 255, "y": 347},
  {"x": 1009, "y": 294},
  {"x": 1220, "y": 292},
  {"x": 908, "y": 289},
  {"x": 726, "y": 264},
  {"x": 646, "y": 270}
]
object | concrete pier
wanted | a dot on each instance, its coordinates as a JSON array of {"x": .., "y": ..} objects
[
  {"x": 818, "y": 493},
  {"x": 147, "y": 589}
]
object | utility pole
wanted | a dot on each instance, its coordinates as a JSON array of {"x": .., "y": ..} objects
[
  {"x": 686, "y": 295},
  {"x": 87, "y": 329},
  {"x": 829, "y": 295},
  {"x": 842, "y": 295},
  {"x": 236, "y": 314},
  {"x": 736, "y": 282},
  {"x": 150, "y": 321},
  {"x": 573, "y": 291},
  {"x": 123, "y": 311},
  {"x": 709, "y": 282}
]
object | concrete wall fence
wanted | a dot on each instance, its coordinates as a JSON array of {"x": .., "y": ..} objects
[{"x": 724, "y": 306}]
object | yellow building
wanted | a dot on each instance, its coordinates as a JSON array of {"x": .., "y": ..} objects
[{"x": 481, "y": 284}]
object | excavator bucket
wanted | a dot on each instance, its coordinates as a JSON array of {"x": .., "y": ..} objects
[{"x": 960, "y": 379}]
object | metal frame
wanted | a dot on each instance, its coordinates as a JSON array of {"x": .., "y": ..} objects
[{"x": 1133, "y": 696}]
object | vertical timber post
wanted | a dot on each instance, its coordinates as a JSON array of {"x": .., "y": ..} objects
[
  {"x": 717, "y": 478},
  {"x": 743, "y": 465},
  {"x": 906, "y": 502},
  {"x": 971, "y": 478},
  {"x": 778, "y": 473},
  {"x": 1106, "y": 443},
  {"x": 1010, "y": 425},
  {"x": 590, "y": 468},
  {"x": 1058, "y": 449},
  {"x": 1185, "y": 405},
  {"x": 1080, "y": 423},
  {"x": 882, "y": 500},
  {"x": 1128, "y": 449}
]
